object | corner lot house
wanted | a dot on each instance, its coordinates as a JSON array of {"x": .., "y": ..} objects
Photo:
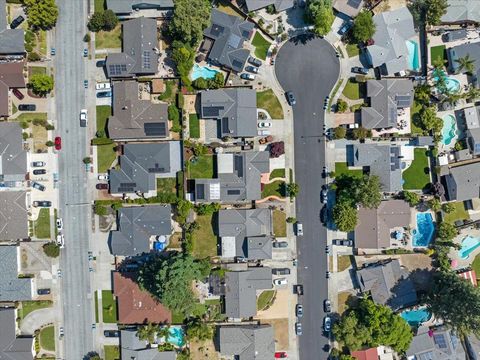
[
  {"x": 13, "y": 215},
  {"x": 462, "y": 12},
  {"x": 247, "y": 342},
  {"x": 11, "y": 346},
  {"x": 393, "y": 42},
  {"x": 438, "y": 344},
  {"x": 238, "y": 178},
  {"x": 280, "y": 5},
  {"x": 12, "y": 44},
  {"x": 246, "y": 233},
  {"x": 232, "y": 113},
  {"x": 462, "y": 183},
  {"x": 224, "y": 40},
  {"x": 134, "y": 348},
  {"x": 472, "y": 50},
  {"x": 142, "y": 164},
  {"x": 135, "y": 8},
  {"x": 138, "y": 226},
  {"x": 140, "y": 50},
  {"x": 13, "y": 288},
  {"x": 11, "y": 77},
  {"x": 133, "y": 118}
]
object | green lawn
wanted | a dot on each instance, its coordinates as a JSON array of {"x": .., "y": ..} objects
[
  {"x": 476, "y": 265},
  {"x": 267, "y": 100},
  {"x": 109, "y": 39},
  {"x": 277, "y": 188},
  {"x": 112, "y": 352},
  {"x": 105, "y": 157},
  {"x": 414, "y": 116},
  {"x": 202, "y": 167},
  {"x": 194, "y": 126},
  {"x": 30, "y": 116},
  {"x": 279, "y": 223},
  {"x": 167, "y": 189},
  {"x": 352, "y": 50},
  {"x": 342, "y": 168},
  {"x": 42, "y": 224},
  {"x": 417, "y": 176},
  {"x": 352, "y": 90},
  {"x": 265, "y": 299},
  {"x": 437, "y": 52},
  {"x": 204, "y": 239},
  {"x": 47, "y": 338},
  {"x": 458, "y": 214},
  {"x": 29, "y": 306},
  {"x": 103, "y": 112},
  {"x": 34, "y": 70},
  {"x": 170, "y": 92},
  {"x": 109, "y": 306},
  {"x": 277, "y": 173},
  {"x": 99, "y": 5},
  {"x": 42, "y": 42},
  {"x": 261, "y": 45}
]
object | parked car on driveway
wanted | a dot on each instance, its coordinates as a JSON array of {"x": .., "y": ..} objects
[
  {"x": 254, "y": 61},
  {"x": 104, "y": 94},
  {"x": 102, "y": 186},
  {"x": 290, "y": 98},
  {"x": 345, "y": 27},
  {"x": 43, "y": 291},
  {"x": 38, "y": 164},
  {"x": 360, "y": 70},
  {"x": 247, "y": 76},
  {"x": 42, "y": 203},
  {"x": 264, "y": 124},
  {"x": 39, "y": 172},
  {"x": 16, "y": 22},
  {"x": 281, "y": 271},
  {"x": 58, "y": 143},
  {"x": 27, "y": 107},
  {"x": 252, "y": 69},
  {"x": 100, "y": 63},
  {"x": 280, "y": 244},
  {"x": 280, "y": 282},
  {"x": 38, "y": 186},
  {"x": 111, "y": 333},
  {"x": 18, "y": 94}
]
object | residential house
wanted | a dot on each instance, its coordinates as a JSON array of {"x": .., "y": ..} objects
[
  {"x": 140, "y": 52},
  {"x": 462, "y": 183},
  {"x": 13, "y": 156},
  {"x": 231, "y": 113},
  {"x": 13, "y": 288},
  {"x": 12, "y": 42},
  {"x": 246, "y": 233},
  {"x": 13, "y": 215},
  {"x": 136, "y": 306},
  {"x": 473, "y": 141},
  {"x": 138, "y": 227},
  {"x": 134, "y": 8},
  {"x": 11, "y": 77},
  {"x": 471, "y": 117},
  {"x": 367, "y": 354},
  {"x": 142, "y": 164},
  {"x": 462, "y": 12},
  {"x": 472, "y": 50},
  {"x": 469, "y": 275},
  {"x": 246, "y": 342},
  {"x": 388, "y": 284},
  {"x": 436, "y": 344},
  {"x": 224, "y": 40},
  {"x": 387, "y": 97},
  {"x": 11, "y": 346},
  {"x": 135, "y": 119},
  {"x": 376, "y": 227},
  {"x": 134, "y": 348},
  {"x": 351, "y": 8},
  {"x": 241, "y": 289},
  {"x": 279, "y": 5},
  {"x": 238, "y": 178},
  {"x": 394, "y": 36}
]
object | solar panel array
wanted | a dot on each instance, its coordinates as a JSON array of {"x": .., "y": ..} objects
[
  {"x": 237, "y": 64},
  {"x": 211, "y": 110},
  {"x": 117, "y": 69},
  {"x": 440, "y": 341},
  {"x": 403, "y": 100},
  {"x": 200, "y": 191},
  {"x": 234, "y": 40},
  {"x": 217, "y": 30},
  {"x": 157, "y": 169},
  {"x": 127, "y": 187},
  {"x": 155, "y": 129},
  {"x": 233, "y": 192},
  {"x": 225, "y": 127},
  {"x": 146, "y": 59}
]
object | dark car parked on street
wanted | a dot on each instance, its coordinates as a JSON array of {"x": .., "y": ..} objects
[
  {"x": 111, "y": 333},
  {"x": 39, "y": 172},
  {"x": 290, "y": 98},
  {"x": 102, "y": 186},
  {"x": 298, "y": 289},
  {"x": 327, "y": 307},
  {"x": 27, "y": 107}
]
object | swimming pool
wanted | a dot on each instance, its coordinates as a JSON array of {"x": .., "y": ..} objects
[
  {"x": 416, "y": 317},
  {"x": 203, "y": 72},
  {"x": 422, "y": 235},
  {"x": 452, "y": 85},
  {"x": 449, "y": 129},
  {"x": 413, "y": 58},
  {"x": 176, "y": 336},
  {"x": 469, "y": 244}
]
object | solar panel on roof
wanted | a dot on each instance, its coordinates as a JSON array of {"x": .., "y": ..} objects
[
  {"x": 246, "y": 34},
  {"x": 425, "y": 356},
  {"x": 225, "y": 127},
  {"x": 155, "y": 129},
  {"x": 234, "y": 40},
  {"x": 440, "y": 341},
  {"x": 354, "y": 3},
  {"x": 402, "y": 100},
  {"x": 211, "y": 110},
  {"x": 112, "y": 69},
  {"x": 200, "y": 191},
  {"x": 236, "y": 64},
  {"x": 238, "y": 165},
  {"x": 123, "y": 67},
  {"x": 130, "y": 184},
  {"x": 124, "y": 189},
  {"x": 217, "y": 30},
  {"x": 146, "y": 59},
  {"x": 233, "y": 192},
  {"x": 156, "y": 170}
]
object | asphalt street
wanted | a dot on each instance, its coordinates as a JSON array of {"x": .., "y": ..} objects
[
  {"x": 309, "y": 68},
  {"x": 74, "y": 206}
]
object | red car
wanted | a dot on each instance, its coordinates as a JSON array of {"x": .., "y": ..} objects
[
  {"x": 18, "y": 94},
  {"x": 280, "y": 355},
  {"x": 58, "y": 143},
  {"x": 102, "y": 186}
]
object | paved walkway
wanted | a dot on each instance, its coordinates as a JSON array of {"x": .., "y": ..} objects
[{"x": 37, "y": 319}]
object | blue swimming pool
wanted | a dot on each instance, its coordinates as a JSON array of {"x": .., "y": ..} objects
[
  {"x": 452, "y": 84},
  {"x": 203, "y": 72},
  {"x": 449, "y": 129},
  {"x": 416, "y": 317},
  {"x": 413, "y": 55},
  {"x": 176, "y": 336},
  {"x": 469, "y": 244},
  {"x": 423, "y": 234}
]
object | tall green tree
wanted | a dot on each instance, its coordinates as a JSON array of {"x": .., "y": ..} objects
[
  {"x": 356, "y": 190},
  {"x": 466, "y": 64},
  {"x": 41, "y": 84},
  {"x": 320, "y": 14},
  {"x": 428, "y": 120},
  {"x": 428, "y": 12},
  {"x": 148, "y": 332},
  {"x": 41, "y": 14},
  {"x": 446, "y": 231},
  {"x": 423, "y": 94},
  {"x": 412, "y": 198},
  {"x": 199, "y": 330},
  {"x": 190, "y": 18},
  {"x": 363, "y": 26},
  {"x": 345, "y": 216}
]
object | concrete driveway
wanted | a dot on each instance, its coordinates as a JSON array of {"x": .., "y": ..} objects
[{"x": 37, "y": 319}]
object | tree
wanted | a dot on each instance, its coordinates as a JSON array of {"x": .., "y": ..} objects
[
  {"x": 446, "y": 231},
  {"x": 291, "y": 220},
  {"x": 428, "y": 120},
  {"x": 87, "y": 38},
  {"x": 448, "y": 208},
  {"x": 438, "y": 189},
  {"x": 342, "y": 106},
  {"x": 197, "y": 329},
  {"x": 41, "y": 14},
  {"x": 183, "y": 209},
  {"x": 340, "y": 132},
  {"x": 363, "y": 26},
  {"x": 148, "y": 332},
  {"x": 207, "y": 209},
  {"x": 320, "y": 14},
  {"x": 190, "y": 18},
  {"x": 51, "y": 249},
  {"x": 435, "y": 204},
  {"x": 41, "y": 84},
  {"x": 277, "y": 149},
  {"x": 370, "y": 325},
  {"x": 368, "y": 192},
  {"x": 412, "y": 198},
  {"x": 87, "y": 160},
  {"x": 423, "y": 94},
  {"x": 456, "y": 301},
  {"x": 472, "y": 93},
  {"x": 293, "y": 189},
  {"x": 173, "y": 114},
  {"x": 345, "y": 216},
  {"x": 428, "y": 12},
  {"x": 361, "y": 133},
  {"x": 183, "y": 56},
  {"x": 200, "y": 83},
  {"x": 110, "y": 20},
  {"x": 466, "y": 63},
  {"x": 95, "y": 23}
]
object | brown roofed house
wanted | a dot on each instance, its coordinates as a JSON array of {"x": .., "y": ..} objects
[
  {"x": 11, "y": 76},
  {"x": 136, "y": 306}
]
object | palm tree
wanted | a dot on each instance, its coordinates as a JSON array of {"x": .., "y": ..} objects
[
  {"x": 148, "y": 332},
  {"x": 164, "y": 332},
  {"x": 466, "y": 63},
  {"x": 472, "y": 93}
]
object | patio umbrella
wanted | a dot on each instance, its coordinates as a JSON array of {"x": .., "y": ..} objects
[{"x": 454, "y": 263}]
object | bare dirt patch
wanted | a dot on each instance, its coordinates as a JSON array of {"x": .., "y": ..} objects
[
  {"x": 280, "y": 329},
  {"x": 203, "y": 350}
]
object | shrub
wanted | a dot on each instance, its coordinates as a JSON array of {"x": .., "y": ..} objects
[
  {"x": 86, "y": 38},
  {"x": 102, "y": 141},
  {"x": 340, "y": 132},
  {"x": 100, "y": 210},
  {"x": 25, "y": 135},
  {"x": 207, "y": 209},
  {"x": 49, "y": 143},
  {"x": 49, "y": 127},
  {"x": 342, "y": 106},
  {"x": 277, "y": 149},
  {"x": 291, "y": 220},
  {"x": 32, "y": 55},
  {"x": 51, "y": 249},
  {"x": 24, "y": 125},
  {"x": 173, "y": 114}
]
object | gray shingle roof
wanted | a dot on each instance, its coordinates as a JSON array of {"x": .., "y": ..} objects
[
  {"x": 12, "y": 288},
  {"x": 13, "y": 215},
  {"x": 388, "y": 284},
  {"x": 11, "y": 40},
  {"x": 247, "y": 342},
  {"x": 241, "y": 289},
  {"x": 473, "y": 140},
  {"x": 235, "y": 109},
  {"x": 280, "y": 5},
  {"x": 128, "y": 6},
  {"x": 246, "y": 233},
  {"x": 472, "y": 117},
  {"x": 228, "y": 33},
  {"x": 139, "y": 56},
  {"x": 11, "y": 347},
  {"x": 134, "y": 348},
  {"x": 13, "y": 157},
  {"x": 393, "y": 29},
  {"x": 141, "y": 164},
  {"x": 238, "y": 178},
  {"x": 463, "y": 182},
  {"x": 386, "y": 96},
  {"x": 134, "y": 118},
  {"x": 135, "y": 227},
  {"x": 461, "y": 11},
  {"x": 439, "y": 344},
  {"x": 460, "y": 51}
]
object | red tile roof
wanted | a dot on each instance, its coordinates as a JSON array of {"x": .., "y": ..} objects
[
  {"x": 470, "y": 276},
  {"x": 134, "y": 305},
  {"x": 369, "y": 354},
  {"x": 11, "y": 76}
]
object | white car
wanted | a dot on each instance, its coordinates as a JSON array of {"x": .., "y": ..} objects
[
  {"x": 280, "y": 282},
  {"x": 264, "y": 124},
  {"x": 59, "y": 224},
  {"x": 83, "y": 117},
  {"x": 103, "y": 177},
  {"x": 102, "y": 86},
  {"x": 61, "y": 241}
]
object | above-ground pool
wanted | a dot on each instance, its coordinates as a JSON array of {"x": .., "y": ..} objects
[
  {"x": 452, "y": 84},
  {"x": 203, "y": 72},
  {"x": 469, "y": 244},
  {"x": 422, "y": 235},
  {"x": 413, "y": 57},
  {"x": 416, "y": 317},
  {"x": 449, "y": 129}
]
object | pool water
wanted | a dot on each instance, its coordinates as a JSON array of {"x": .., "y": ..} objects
[
  {"x": 469, "y": 244},
  {"x": 422, "y": 235},
  {"x": 449, "y": 129},
  {"x": 203, "y": 72},
  {"x": 413, "y": 58},
  {"x": 176, "y": 336},
  {"x": 452, "y": 84},
  {"x": 416, "y": 317}
]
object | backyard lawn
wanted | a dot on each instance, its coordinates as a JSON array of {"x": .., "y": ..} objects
[
  {"x": 277, "y": 173},
  {"x": 28, "y": 117},
  {"x": 266, "y": 299},
  {"x": 458, "y": 214},
  {"x": 277, "y": 188},
  {"x": 279, "y": 223},
  {"x": 29, "y": 306},
  {"x": 167, "y": 189},
  {"x": 112, "y": 352},
  {"x": 261, "y": 45},
  {"x": 417, "y": 176},
  {"x": 42, "y": 224},
  {"x": 170, "y": 92},
  {"x": 109, "y": 39},
  {"x": 105, "y": 157},
  {"x": 267, "y": 100},
  {"x": 352, "y": 50},
  {"x": 204, "y": 239},
  {"x": 194, "y": 126},
  {"x": 103, "y": 112},
  {"x": 414, "y": 116},
  {"x": 352, "y": 90},
  {"x": 202, "y": 167},
  {"x": 47, "y": 338},
  {"x": 109, "y": 306},
  {"x": 342, "y": 168},
  {"x": 437, "y": 52}
]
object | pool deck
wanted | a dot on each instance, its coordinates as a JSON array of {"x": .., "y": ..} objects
[{"x": 453, "y": 254}]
